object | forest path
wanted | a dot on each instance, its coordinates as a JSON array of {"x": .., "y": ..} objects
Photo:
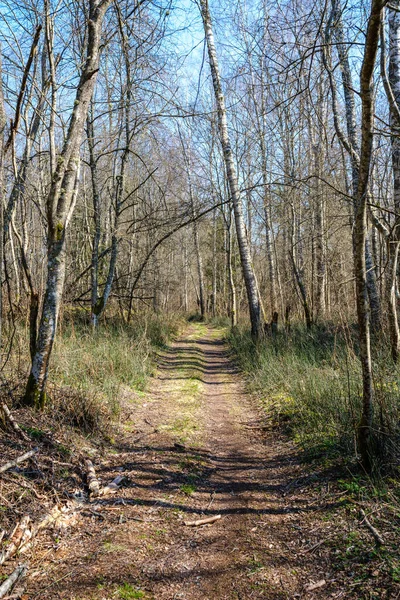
[{"x": 194, "y": 448}]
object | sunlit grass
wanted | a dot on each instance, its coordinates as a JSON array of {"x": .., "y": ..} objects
[{"x": 310, "y": 384}]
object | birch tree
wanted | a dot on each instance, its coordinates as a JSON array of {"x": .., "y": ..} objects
[
  {"x": 243, "y": 242},
  {"x": 3, "y": 122},
  {"x": 360, "y": 227},
  {"x": 60, "y": 204},
  {"x": 350, "y": 139},
  {"x": 393, "y": 240}
]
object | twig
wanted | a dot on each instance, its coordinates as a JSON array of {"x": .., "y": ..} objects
[
  {"x": 376, "y": 535},
  {"x": 13, "y": 422},
  {"x": 17, "y": 461},
  {"x": 202, "y": 521},
  {"x": 9, "y": 583},
  {"x": 314, "y": 547},
  {"x": 26, "y": 485},
  {"x": 17, "y": 115},
  {"x": 18, "y": 539},
  {"x": 112, "y": 487},
  {"x": 212, "y": 495}
]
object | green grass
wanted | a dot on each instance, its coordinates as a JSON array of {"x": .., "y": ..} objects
[
  {"x": 90, "y": 371},
  {"x": 127, "y": 592},
  {"x": 113, "y": 548},
  {"x": 188, "y": 489},
  {"x": 110, "y": 357},
  {"x": 310, "y": 384}
]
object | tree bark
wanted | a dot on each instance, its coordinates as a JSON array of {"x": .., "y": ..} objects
[
  {"x": 60, "y": 206},
  {"x": 351, "y": 144},
  {"x": 243, "y": 243},
  {"x": 360, "y": 228},
  {"x": 3, "y": 122},
  {"x": 394, "y": 239},
  {"x": 214, "y": 265},
  {"x": 94, "y": 267}
]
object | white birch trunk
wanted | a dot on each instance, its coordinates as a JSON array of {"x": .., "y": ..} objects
[
  {"x": 394, "y": 240},
  {"x": 243, "y": 243},
  {"x": 351, "y": 145},
  {"x": 60, "y": 205},
  {"x": 360, "y": 228}
]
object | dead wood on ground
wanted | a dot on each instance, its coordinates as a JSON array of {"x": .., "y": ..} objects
[
  {"x": 10, "y": 582},
  {"x": 19, "y": 460}
]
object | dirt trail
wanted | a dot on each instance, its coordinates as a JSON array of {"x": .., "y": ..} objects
[{"x": 194, "y": 448}]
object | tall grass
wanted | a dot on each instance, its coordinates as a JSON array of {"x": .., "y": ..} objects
[
  {"x": 90, "y": 372},
  {"x": 310, "y": 383},
  {"x": 102, "y": 363}
]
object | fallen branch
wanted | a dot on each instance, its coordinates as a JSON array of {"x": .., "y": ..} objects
[
  {"x": 202, "y": 521},
  {"x": 13, "y": 422},
  {"x": 93, "y": 482},
  {"x": 112, "y": 487},
  {"x": 311, "y": 587},
  {"x": 19, "y": 460},
  {"x": 10, "y": 582},
  {"x": 375, "y": 533},
  {"x": 19, "y": 538},
  {"x": 24, "y": 532},
  {"x": 27, "y": 486},
  {"x": 314, "y": 547}
]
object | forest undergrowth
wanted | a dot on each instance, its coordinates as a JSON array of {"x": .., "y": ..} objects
[
  {"x": 309, "y": 385},
  {"x": 102, "y": 409},
  {"x": 91, "y": 370}
]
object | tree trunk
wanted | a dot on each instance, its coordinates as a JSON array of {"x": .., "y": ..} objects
[
  {"x": 35, "y": 391},
  {"x": 320, "y": 301},
  {"x": 199, "y": 262},
  {"x": 60, "y": 206},
  {"x": 94, "y": 270},
  {"x": 243, "y": 243},
  {"x": 3, "y": 122},
  {"x": 351, "y": 145},
  {"x": 214, "y": 267},
  {"x": 394, "y": 240},
  {"x": 360, "y": 228},
  {"x": 232, "y": 287},
  {"x": 391, "y": 299},
  {"x": 298, "y": 272}
]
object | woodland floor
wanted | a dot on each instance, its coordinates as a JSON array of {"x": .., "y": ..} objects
[{"x": 195, "y": 445}]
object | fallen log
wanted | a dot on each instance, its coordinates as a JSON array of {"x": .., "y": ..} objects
[
  {"x": 10, "y": 582},
  {"x": 13, "y": 422},
  {"x": 205, "y": 521},
  {"x": 93, "y": 482},
  {"x": 19, "y": 460},
  {"x": 19, "y": 538},
  {"x": 379, "y": 541},
  {"x": 112, "y": 487}
]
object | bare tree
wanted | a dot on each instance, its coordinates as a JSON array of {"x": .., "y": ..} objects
[
  {"x": 60, "y": 205},
  {"x": 244, "y": 249},
  {"x": 360, "y": 226}
]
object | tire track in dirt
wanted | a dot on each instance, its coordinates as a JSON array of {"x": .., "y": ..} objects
[
  {"x": 196, "y": 450},
  {"x": 245, "y": 555}
]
